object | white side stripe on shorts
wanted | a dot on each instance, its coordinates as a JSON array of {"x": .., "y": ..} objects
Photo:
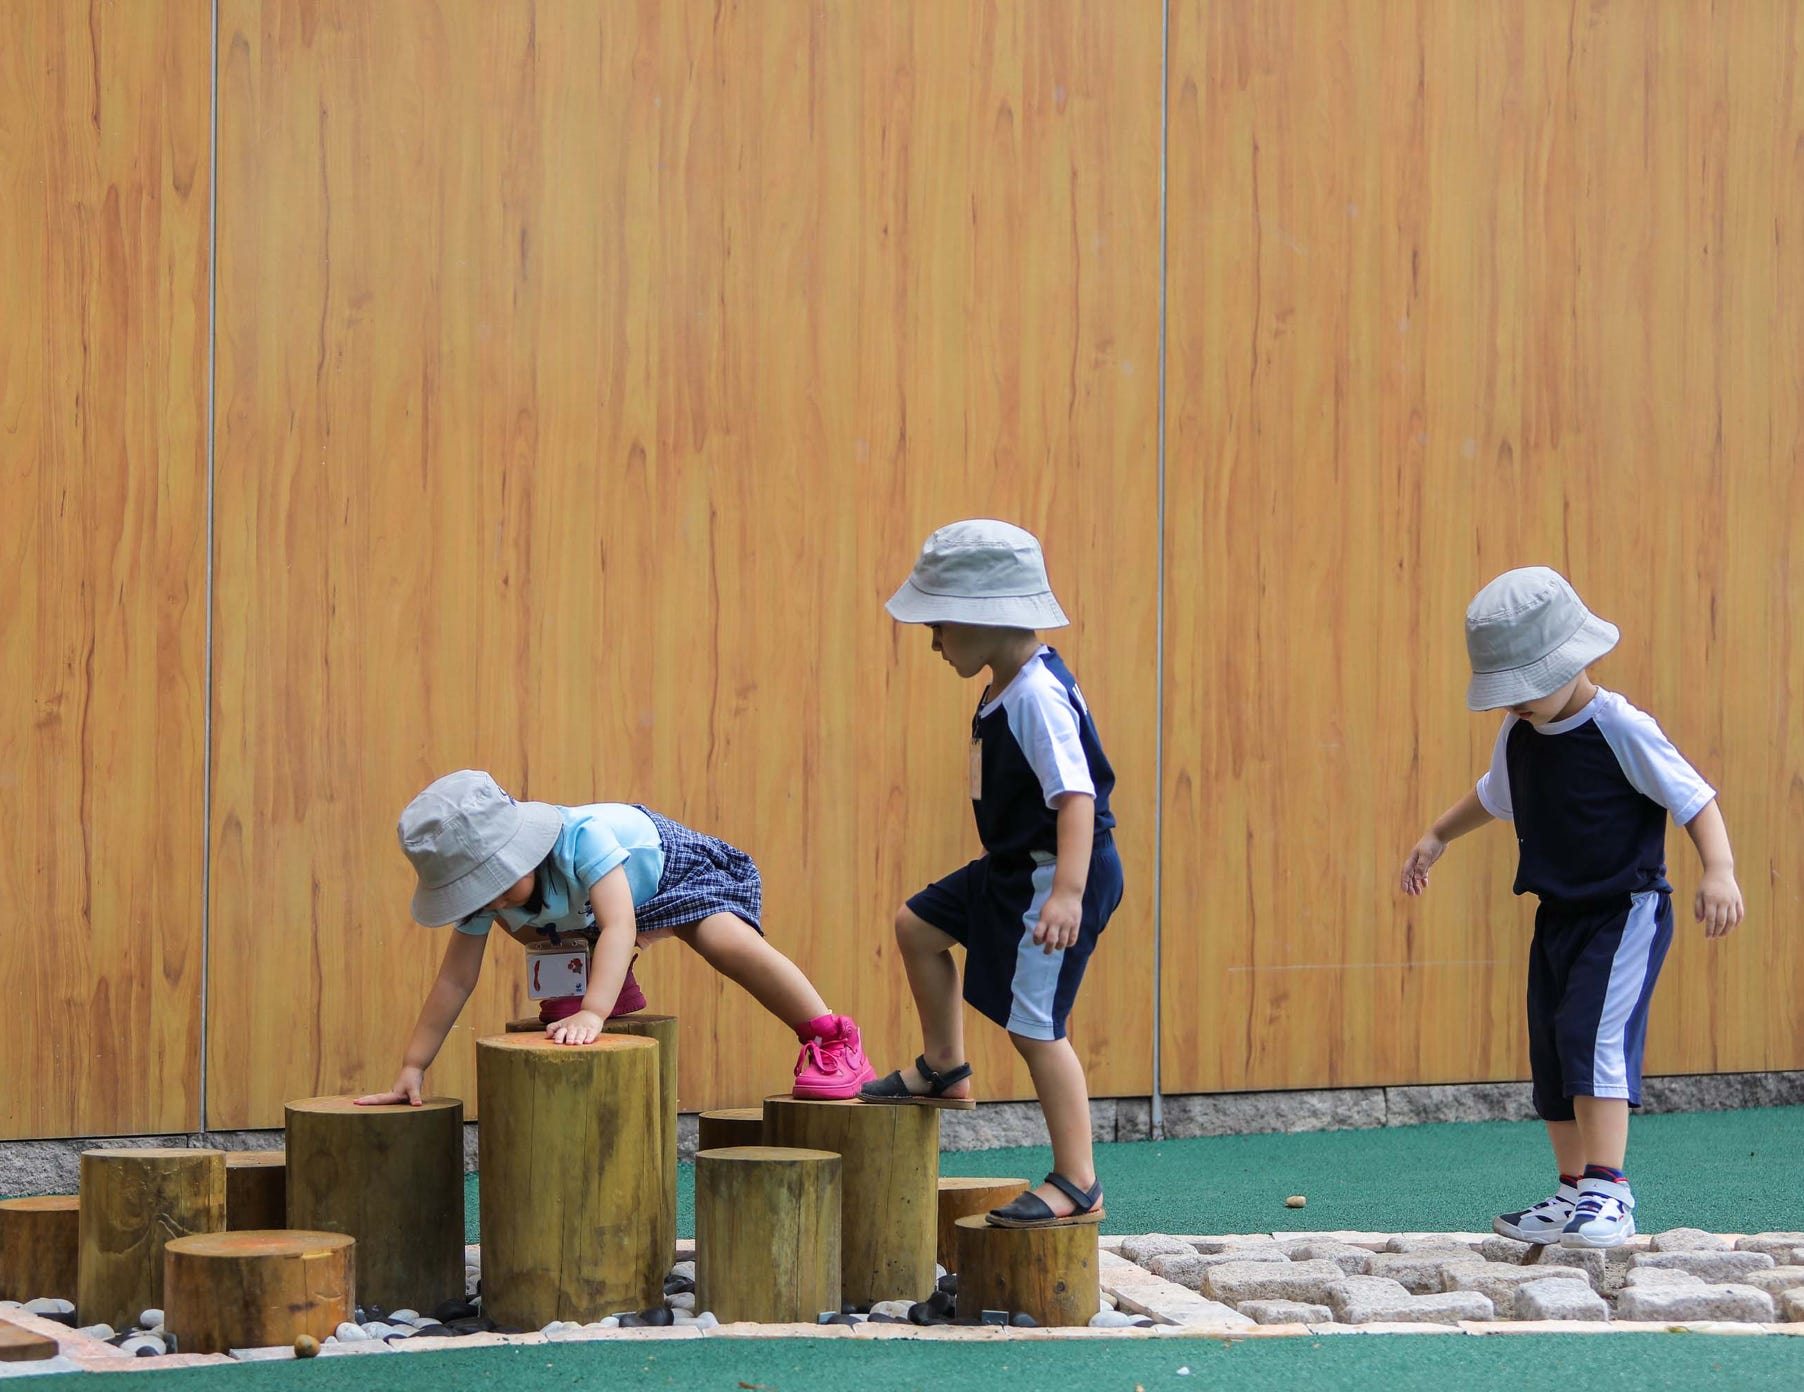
[
  {"x": 1036, "y": 970},
  {"x": 1628, "y": 974}
]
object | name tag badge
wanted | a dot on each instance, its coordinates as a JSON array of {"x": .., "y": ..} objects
[
  {"x": 554, "y": 975},
  {"x": 976, "y": 770}
]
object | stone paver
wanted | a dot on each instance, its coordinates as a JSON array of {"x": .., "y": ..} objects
[
  {"x": 1645, "y": 1276},
  {"x": 1498, "y": 1248},
  {"x": 1431, "y": 1242},
  {"x": 1777, "y": 1245},
  {"x": 1140, "y": 1292},
  {"x": 1594, "y": 1264},
  {"x": 1555, "y": 1300},
  {"x": 1286, "y": 1312},
  {"x": 1791, "y": 1305},
  {"x": 1355, "y": 1261},
  {"x": 1499, "y": 1283},
  {"x": 1775, "y": 1281},
  {"x": 1188, "y": 1269},
  {"x": 1368, "y": 1305},
  {"x": 1708, "y": 1266},
  {"x": 1687, "y": 1240},
  {"x": 1423, "y": 1273},
  {"x": 1140, "y": 1249},
  {"x": 1699, "y": 1302},
  {"x": 1308, "y": 1281}
]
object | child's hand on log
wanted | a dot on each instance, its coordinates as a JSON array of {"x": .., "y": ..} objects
[
  {"x": 406, "y": 1089},
  {"x": 584, "y": 1027}
]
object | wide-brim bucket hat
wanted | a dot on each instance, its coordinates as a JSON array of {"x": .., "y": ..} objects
[
  {"x": 1528, "y": 634},
  {"x": 469, "y": 842},
  {"x": 981, "y": 572}
]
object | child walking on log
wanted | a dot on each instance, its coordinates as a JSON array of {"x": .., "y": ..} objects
[
  {"x": 1029, "y": 910},
  {"x": 583, "y": 888},
  {"x": 1588, "y": 781}
]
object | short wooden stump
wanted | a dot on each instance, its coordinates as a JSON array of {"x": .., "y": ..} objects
[
  {"x": 256, "y": 1189},
  {"x": 889, "y": 1181},
  {"x": 391, "y": 1177},
  {"x": 570, "y": 1145},
  {"x": 767, "y": 1233},
  {"x": 1049, "y": 1273},
  {"x": 40, "y": 1241},
  {"x": 132, "y": 1203},
  {"x": 730, "y": 1126},
  {"x": 257, "y": 1288},
  {"x": 22, "y": 1346},
  {"x": 964, "y": 1196},
  {"x": 662, "y": 1029}
]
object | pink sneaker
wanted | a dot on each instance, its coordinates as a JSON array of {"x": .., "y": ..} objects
[
  {"x": 832, "y": 1066},
  {"x": 630, "y": 1000}
]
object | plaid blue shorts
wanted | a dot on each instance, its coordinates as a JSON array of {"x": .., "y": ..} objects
[{"x": 703, "y": 875}]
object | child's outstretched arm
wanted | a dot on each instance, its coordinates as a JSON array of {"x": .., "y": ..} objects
[
  {"x": 1718, "y": 902},
  {"x": 1468, "y": 814},
  {"x": 457, "y": 977},
  {"x": 612, "y": 899},
  {"x": 1062, "y": 915}
]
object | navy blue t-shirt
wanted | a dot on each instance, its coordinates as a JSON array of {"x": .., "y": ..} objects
[
  {"x": 1589, "y": 796},
  {"x": 1031, "y": 744}
]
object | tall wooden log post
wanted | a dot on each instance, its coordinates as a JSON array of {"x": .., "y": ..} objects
[
  {"x": 256, "y": 1189},
  {"x": 663, "y": 1030},
  {"x": 965, "y": 1197},
  {"x": 40, "y": 1241},
  {"x": 391, "y": 1177},
  {"x": 255, "y": 1288},
  {"x": 570, "y": 1145},
  {"x": 889, "y": 1183},
  {"x": 767, "y": 1233},
  {"x": 1049, "y": 1273},
  {"x": 132, "y": 1203}
]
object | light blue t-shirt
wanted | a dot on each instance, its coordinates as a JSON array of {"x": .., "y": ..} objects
[{"x": 595, "y": 840}]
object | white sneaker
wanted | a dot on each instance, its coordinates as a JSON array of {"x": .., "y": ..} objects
[
  {"x": 1604, "y": 1215},
  {"x": 1543, "y": 1223}
]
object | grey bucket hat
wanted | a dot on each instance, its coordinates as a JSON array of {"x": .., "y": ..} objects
[
  {"x": 468, "y": 842},
  {"x": 1528, "y": 634},
  {"x": 981, "y": 572}
]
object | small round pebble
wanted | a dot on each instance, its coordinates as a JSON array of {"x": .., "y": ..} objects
[
  {"x": 433, "y": 1331},
  {"x": 683, "y": 1300},
  {"x": 657, "y": 1317},
  {"x": 150, "y": 1319},
  {"x": 306, "y": 1346},
  {"x": 1022, "y": 1320},
  {"x": 96, "y": 1331},
  {"x": 1111, "y": 1319},
  {"x": 610, "y": 1322},
  {"x": 46, "y": 1305},
  {"x": 1297, "y": 1201},
  {"x": 684, "y": 1269},
  {"x": 1143, "y": 1323},
  {"x": 453, "y": 1309},
  {"x": 707, "y": 1320},
  {"x": 403, "y": 1316},
  {"x": 142, "y": 1345},
  {"x": 349, "y": 1333},
  {"x": 949, "y": 1284},
  {"x": 939, "y": 1272}
]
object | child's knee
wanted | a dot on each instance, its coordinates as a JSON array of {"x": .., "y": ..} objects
[
  {"x": 1030, "y": 1048},
  {"x": 913, "y": 934}
]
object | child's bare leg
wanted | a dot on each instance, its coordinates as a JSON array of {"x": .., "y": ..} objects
[
  {"x": 745, "y": 957},
  {"x": 1603, "y": 1123},
  {"x": 1568, "y": 1146},
  {"x": 1065, "y": 1099},
  {"x": 933, "y": 978}
]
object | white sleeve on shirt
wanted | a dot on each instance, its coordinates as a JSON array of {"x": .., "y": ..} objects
[
  {"x": 1045, "y": 725},
  {"x": 1649, "y": 761},
  {"x": 1494, "y": 783}
]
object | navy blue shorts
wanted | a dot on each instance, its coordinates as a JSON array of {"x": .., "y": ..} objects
[
  {"x": 1591, "y": 973},
  {"x": 703, "y": 875},
  {"x": 992, "y": 908}
]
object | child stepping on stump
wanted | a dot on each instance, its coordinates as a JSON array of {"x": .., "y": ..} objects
[
  {"x": 1028, "y": 911},
  {"x": 583, "y": 889}
]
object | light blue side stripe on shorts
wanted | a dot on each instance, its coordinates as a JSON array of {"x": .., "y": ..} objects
[
  {"x": 1036, "y": 970},
  {"x": 1628, "y": 974}
]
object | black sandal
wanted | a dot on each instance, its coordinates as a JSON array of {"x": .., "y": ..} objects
[
  {"x": 1031, "y": 1211},
  {"x": 893, "y": 1090}
]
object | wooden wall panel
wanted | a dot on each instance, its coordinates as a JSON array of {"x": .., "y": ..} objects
[
  {"x": 1454, "y": 288},
  {"x": 103, "y": 359},
  {"x": 588, "y": 376}
]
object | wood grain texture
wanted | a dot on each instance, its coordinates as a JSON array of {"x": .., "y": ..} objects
[
  {"x": 964, "y": 1196},
  {"x": 40, "y": 1243},
  {"x": 767, "y": 1233},
  {"x": 103, "y": 386},
  {"x": 132, "y": 1203},
  {"x": 257, "y": 1288},
  {"x": 256, "y": 1190},
  {"x": 1052, "y": 1274},
  {"x": 588, "y": 377},
  {"x": 1455, "y": 288}
]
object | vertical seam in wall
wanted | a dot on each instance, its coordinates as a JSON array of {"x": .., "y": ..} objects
[
  {"x": 206, "y": 757},
  {"x": 1157, "y": 1120}
]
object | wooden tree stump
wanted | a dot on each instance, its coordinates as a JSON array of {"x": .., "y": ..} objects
[
  {"x": 730, "y": 1126},
  {"x": 257, "y": 1288},
  {"x": 256, "y": 1190},
  {"x": 1049, "y": 1273},
  {"x": 40, "y": 1241},
  {"x": 526, "y": 1024},
  {"x": 963, "y": 1197},
  {"x": 132, "y": 1202},
  {"x": 570, "y": 1143},
  {"x": 391, "y": 1177},
  {"x": 22, "y": 1346},
  {"x": 767, "y": 1233},
  {"x": 889, "y": 1181},
  {"x": 662, "y": 1029}
]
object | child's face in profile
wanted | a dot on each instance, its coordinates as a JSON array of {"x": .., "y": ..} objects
[
  {"x": 1549, "y": 707},
  {"x": 966, "y": 647},
  {"x": 512, "y": 898}
]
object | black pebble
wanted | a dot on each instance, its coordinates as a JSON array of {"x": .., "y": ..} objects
[
  {"x": 940, "y": 1303},
  {"x": 918, "y": 1313},
  {"x": 373, "y": 1314},
  {"x": 657, "y": 1316},
  {"x": 118, "y": 1339},
  {"x": 678, "y": 1285},
  {"x": 949, "y": 1283},
  {"x": 509, "y": 1329},
  {"x": 455, "y": 1309},
  {"x": 1022, "y": 1320},
  {"x": 849, "y": 1308},
  {"x": 145, "y": 1351},
  {"x": 887, "y": 1319},
  {"x": 842, "y": 1319},
  {"x": 1143, "y": 1324},
  {"x": 631, "y": 1322},
  {"x": 58, "y": 1317}
]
